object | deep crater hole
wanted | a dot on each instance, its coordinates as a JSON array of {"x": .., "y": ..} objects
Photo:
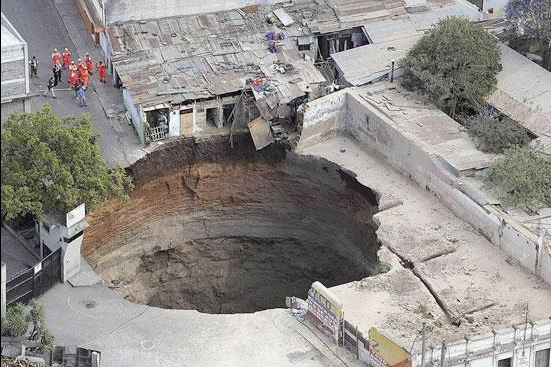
[{"x": 235, "y": 236}]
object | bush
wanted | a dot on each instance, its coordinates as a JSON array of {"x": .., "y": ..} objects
[
  {"x": 493, "y": 135},
  {"x": 17, "y": 321},
  {"x": 455, "y": 64},
  {"x": 521, "y": 177}
]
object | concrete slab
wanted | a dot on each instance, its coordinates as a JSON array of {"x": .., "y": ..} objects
[
  {"x": 473, "y": 277},
  {"x": 131, "y": 335},
  {"x": 85, "y": 277}
]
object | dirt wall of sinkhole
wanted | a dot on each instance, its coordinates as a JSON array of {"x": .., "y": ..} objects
[{"x": 226, "y": 230}]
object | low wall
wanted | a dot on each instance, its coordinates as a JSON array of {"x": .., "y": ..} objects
[{"x": 346, "y": 111}]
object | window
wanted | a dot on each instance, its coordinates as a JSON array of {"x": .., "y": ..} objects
[
  {"x": 542, "y": 358},
  {"x": 504, "y": 362}
]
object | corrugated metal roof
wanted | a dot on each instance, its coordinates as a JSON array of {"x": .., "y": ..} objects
[
  {"x": 523, "y": 92},
  {"x": 196, "y": 57}
]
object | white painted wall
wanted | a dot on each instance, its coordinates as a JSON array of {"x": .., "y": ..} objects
[{"x": 174, "y": 123}]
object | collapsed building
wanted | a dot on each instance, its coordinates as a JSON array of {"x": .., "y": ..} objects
[{"x": 251, "y": 67}]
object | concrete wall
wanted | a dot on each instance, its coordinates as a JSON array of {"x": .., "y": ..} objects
[
  {"x": 18, "y": 105},
  {"x": 488, "y": 350},
  {"x": 135, "y": 115},
  {"x": 56, "y": 236},
  {"x": 127, "y": 10},
  {"x": 3, "y": 279},
  {"x": 345, "y": 111}
]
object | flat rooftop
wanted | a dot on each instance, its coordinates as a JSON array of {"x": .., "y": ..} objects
[{"x": 426, "y": 124}]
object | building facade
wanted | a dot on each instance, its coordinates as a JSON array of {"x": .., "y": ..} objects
[{"x": 15, "y": 73}]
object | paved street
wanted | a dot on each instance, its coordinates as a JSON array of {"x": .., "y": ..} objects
[
  {"x": 133, "y": 335},
  {"x": 43, "y": 24}
]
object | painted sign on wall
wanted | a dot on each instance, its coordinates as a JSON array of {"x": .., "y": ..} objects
[
  {"x": 76, "y": 215},
  {"x": 324, "y": 310},
  {"x": 386, "y": 353}
]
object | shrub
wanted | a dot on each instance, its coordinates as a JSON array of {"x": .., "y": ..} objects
[
  {"x": 521, "y": 177},
  {"x": 493, "y": 135}
]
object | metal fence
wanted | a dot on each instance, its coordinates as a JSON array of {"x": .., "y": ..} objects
[
  {"x": 35, "y": 281},
  {"x": 156, "y": 133}
]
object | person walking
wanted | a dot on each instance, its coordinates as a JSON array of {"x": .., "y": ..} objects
[
  {"x": 102, "y": 72},
  {"x": 82, "y": 96},
  {"x": 34, "y": 67},
  {"x": 89, "y": 64},
  {"x": 51, "y": 84},
  {"x": 77, "y": 87},
  {"x": 57, "y": 73},
  {"x": 66, "y": 59},
  {"x": 56, "y": 56}
]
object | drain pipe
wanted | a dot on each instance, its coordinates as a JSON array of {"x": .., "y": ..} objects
[{"x": 392, "y": 72}]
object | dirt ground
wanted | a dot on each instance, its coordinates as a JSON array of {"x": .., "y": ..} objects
[{"x": 228, "y": 231}]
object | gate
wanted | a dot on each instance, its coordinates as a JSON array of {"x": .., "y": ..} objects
[{"x": 35, "y": 281}]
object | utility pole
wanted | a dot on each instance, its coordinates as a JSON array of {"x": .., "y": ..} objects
[{"x": 423, "y": 343}]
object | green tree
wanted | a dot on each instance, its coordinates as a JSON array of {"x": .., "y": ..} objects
[
  {"x": 51, "y": 165},
  {"x": 521, "y": 177},
  {"x": 455, "y": 64},
  {"x": 532, "y": 21}
]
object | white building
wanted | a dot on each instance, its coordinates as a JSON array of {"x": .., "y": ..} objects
[{"x": 15, "y": 73}]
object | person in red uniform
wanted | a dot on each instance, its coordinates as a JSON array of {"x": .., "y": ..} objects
[
  {"x": 84, "y": 80},
  {"x": 73, "y": 78},
  {"x": 72, "y": 68},
  {"x": 81, "y": 70},
  {"x": 66, "y": 59},
  {"x": 89, "y": 64},
  {"x": 101, "y": 71},
  {"x": 56, "y": 57}
]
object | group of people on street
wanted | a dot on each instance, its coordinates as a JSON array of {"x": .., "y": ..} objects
[{"x": 79, "y": 73}]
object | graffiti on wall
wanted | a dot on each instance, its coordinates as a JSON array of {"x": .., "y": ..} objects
[
  {"x": 324, "y": 310},
  {"x": 386, "y": 353}
]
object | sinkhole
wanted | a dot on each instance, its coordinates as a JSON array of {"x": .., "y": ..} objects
[{"x": 223, "y": 230}]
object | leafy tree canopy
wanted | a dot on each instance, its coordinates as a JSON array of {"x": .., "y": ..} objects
[
  {"x": 532, "y": 19},
  {"x": 455, "y": 64},
  {"x": 521, "y": 177},
  {"x": 51, "y": 165}
]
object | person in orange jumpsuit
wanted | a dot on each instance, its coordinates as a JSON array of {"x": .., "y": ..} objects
[
  {"x": 56, "y": 57},
  {"x": 84, "y": 80},
  {"x": 101, "y": 71},
  {"x": 66, "y": 59},
  {"x": 72, "y": 68},
  {"x": 73, "y": 78},
  {"x": 89, "y": 64}
]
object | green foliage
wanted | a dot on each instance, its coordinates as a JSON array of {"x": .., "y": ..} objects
[
  {"x": 37, "y": 317},
  {"x": 521, "y": 177},
  {"x": 381, "y": 268},
  {"x": 46, "y": 339},
  {"x": 494, "y": 135},
  {"x": 16, "y": 322},
  {"x": 455, "y": 64},
  {"x": 51, "y": 165}
]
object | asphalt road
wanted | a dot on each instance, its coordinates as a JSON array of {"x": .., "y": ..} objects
[{"x": 39, "y": 22}]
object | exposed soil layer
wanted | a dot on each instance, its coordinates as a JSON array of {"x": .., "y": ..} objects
[{"x": 226, "y": 231}]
